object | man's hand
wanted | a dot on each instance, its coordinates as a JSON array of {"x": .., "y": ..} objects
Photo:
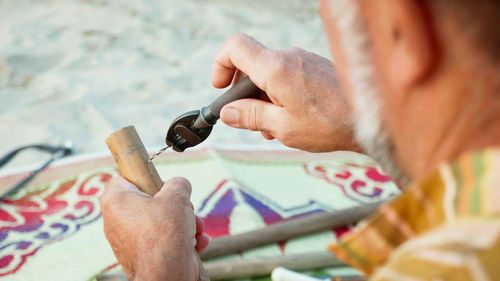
[
  {"x": 303, "y": 106},
  {"x": 153, "y": 238}
]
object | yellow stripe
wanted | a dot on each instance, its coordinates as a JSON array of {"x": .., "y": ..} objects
[
  {"x": 468, "y": 183},
  {"x": 490, "y": 194},
  {"x": 486, "y": 183}
]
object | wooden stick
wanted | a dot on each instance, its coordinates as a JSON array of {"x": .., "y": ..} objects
[
  {"x": 286, "y": 230},
  {"x": 247, "y": 268},
  {"x": 132, "y": 160},
  {"x": 131, "y": 157}
]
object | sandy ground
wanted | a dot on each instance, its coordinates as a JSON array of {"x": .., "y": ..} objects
[{"x": 77, "y": 70}]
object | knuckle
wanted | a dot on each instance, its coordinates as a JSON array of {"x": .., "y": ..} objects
[
  {"x": 237, "y": 39},
  {"x": 295, "y": 50},
  {"x": 280, "y": 66},
  {"x": 108, "y": 201},
  {"x": 106, "y": 197},
  {"x": 181, "y": 188},
  {"x": 180, "y": 181},
  {"x": 296, "y": 57},
  {"x": 104, "y": 200},
  {"x": 280, "y": 62},
  {"x": 113, "y": 195},
  {"x": 254, "y": 117}
]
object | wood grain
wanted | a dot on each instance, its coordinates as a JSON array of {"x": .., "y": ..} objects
[{"x": 131, "y": 157}]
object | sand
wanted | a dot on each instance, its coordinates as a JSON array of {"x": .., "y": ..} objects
[{"x": 78, "y": 70}]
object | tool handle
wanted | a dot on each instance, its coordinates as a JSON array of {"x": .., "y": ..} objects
[
  {"x": 245, "y": 88},
  {"x": 132, "y": 160},
  {"x": 209, "y": 115}
]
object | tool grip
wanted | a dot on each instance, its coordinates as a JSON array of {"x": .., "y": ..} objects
[
  {"x": 132, "y": 160},
  {"x": 209, "y": 115},
  {"x": 245, "y": 88}
]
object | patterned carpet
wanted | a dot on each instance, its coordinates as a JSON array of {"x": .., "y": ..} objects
[{"x": 52, "y": 229}]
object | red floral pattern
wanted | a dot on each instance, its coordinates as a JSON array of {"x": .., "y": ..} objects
[
  {"x": 364, "y": 184},
  {"x": 44, "y": 215}
]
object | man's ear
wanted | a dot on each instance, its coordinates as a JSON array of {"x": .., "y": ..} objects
[{"x": 410, "y": 51}]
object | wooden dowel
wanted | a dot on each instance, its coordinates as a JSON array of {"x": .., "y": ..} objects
[
  {"x": 286, "y": 230},
  {"x": 246, "y": 268},
  {"x": 131, "y": 157},
  {"x": 132, "y": 160},
  {"x": 255, "y": 267}
]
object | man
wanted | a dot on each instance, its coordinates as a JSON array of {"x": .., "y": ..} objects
[{"x": 418, "y": 89}]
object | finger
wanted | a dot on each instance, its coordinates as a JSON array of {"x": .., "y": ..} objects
[
  {"x": 202, "y": 241},
  {"x": 267, "y": 136},
  {"x": 175, "y": 187},
  {"x": 200, "y": 225},
  {"x": 120, "y": 183},
  {"x": 255, "y": 115},
  {"x": 238, "y": 75},
  {"x": 244, "y": 53},
  {"x": 120, "y": 191}
]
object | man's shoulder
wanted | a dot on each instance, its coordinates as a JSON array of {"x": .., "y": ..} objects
[{"x": 458, "y": 200}]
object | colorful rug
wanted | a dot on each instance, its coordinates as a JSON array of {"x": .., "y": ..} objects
[{"x": 52, "y": 229}]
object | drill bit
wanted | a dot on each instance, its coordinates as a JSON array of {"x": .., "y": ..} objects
[{"x": 157, "y": 153}]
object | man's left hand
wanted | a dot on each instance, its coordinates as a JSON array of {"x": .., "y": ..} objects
[{"x": 153, "y": 237}]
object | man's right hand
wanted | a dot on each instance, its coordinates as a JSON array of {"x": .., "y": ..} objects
[{"x": 303, "y": 106}]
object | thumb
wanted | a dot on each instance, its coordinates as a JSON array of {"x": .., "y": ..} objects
[
  {"x": 253, "y": 114},
  {"x": 178, "y": 188}
]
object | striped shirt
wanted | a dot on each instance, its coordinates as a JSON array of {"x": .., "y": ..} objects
[{"x": 446, "y": 227}]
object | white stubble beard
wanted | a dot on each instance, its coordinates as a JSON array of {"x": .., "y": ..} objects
[{"x": 368, "y": 127}]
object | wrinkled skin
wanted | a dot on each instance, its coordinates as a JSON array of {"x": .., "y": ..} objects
[
  {"x": 303, "y": 105},
  {"x": 154, "y": 238}
]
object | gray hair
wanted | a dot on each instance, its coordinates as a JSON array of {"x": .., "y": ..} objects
[{"x": 368, "y": 128}]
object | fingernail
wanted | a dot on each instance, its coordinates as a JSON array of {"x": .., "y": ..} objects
[{"x": 230, "y": 116}]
